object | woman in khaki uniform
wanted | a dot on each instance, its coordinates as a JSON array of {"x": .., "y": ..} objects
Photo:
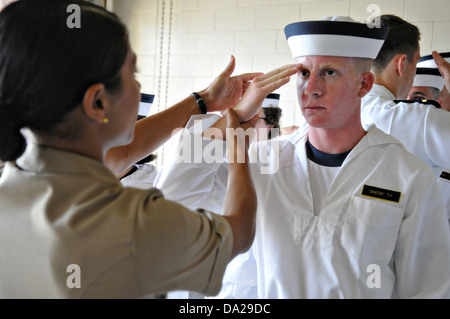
[{"x": 68, "y": 228}]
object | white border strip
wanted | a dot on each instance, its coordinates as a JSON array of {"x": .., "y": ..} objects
[
  {"x": 430, "y": 63},
  {"x": 144, "y": 108},
  {"x": 429, "y": 80},
  {"x": 270, "y": 103},
  {"x": 334, "y": 45}
]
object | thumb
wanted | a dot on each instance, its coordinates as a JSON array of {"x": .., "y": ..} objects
[{"x": 230, "y": 67}]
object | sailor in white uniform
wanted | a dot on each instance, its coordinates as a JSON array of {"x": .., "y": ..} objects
[
  {"x": 341, "y": 210},
  {"x": 427, "y": 86},
  {"x": 427, "y": 61},
  {"x": 203, "y": 185},
  {"x": 437, "y": 82},
  {"x": 331, "y": 219},
  {"x": 422, "y": 128}
]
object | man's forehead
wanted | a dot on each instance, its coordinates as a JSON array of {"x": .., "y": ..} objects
[
  {"x": 420, "y": 90},
  {"x": 323, "y": 60}
]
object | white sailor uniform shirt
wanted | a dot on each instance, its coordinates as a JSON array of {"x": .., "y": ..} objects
[
  {"x": 424, "y": 130},
  {"x": 381, "y": 232},
  {"x": 202, "y": 183}
]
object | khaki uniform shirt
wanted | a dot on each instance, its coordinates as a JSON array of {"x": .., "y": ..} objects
[{"x": 69, "y": 229}]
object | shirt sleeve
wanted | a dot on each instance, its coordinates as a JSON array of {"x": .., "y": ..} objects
[
  {"x": 436, "y": 133},
  {"x": 423, "y": 245},
  {"x": 179, "y": 249},
  {"x": 189, "y": 175}
]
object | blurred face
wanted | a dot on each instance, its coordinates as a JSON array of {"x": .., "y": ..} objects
[
  {"x": 126, "y": 103},
  {"x": 421, "y": 93},
  {"x": 262, "y": 128},
  {"x": 329, "y": 91},
  {"x": 445, "y": 98}
]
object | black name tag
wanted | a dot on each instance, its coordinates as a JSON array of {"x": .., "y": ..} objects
[
  {"x": 445, "y": 175},
  {"x": 381, "y": 193}
]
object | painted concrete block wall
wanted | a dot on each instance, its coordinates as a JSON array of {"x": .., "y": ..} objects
[{"x": 182, "y": 45}]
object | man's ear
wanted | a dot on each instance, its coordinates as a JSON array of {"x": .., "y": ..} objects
[
  {"x": 95, "y": 102},
  {"x": 400, "y": 61},
  {"x": 367, "y": 80}
]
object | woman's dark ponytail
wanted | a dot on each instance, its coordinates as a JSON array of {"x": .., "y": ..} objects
[
  {"x": 46, "y": 66},
  {"x": 12, "y": 142}
]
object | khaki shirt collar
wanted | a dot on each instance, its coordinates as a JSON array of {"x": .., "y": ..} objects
[{"x": 45, "y": 160}]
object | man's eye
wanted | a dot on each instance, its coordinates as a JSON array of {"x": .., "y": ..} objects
[
  {"x": 330, "y": 72},
  {"x": 304, "y": 73}
]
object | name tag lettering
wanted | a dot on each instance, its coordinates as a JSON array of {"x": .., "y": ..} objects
[{"x": 381, "y": 193}]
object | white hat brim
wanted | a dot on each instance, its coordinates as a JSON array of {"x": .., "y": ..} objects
[
  {"x": 429, "y": 81},
  {"x": 334, "y": 45}
]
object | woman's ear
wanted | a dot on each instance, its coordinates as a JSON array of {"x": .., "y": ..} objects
[
  {"x": 367, "y": 80},
  {"x": 95, "y": 103}
]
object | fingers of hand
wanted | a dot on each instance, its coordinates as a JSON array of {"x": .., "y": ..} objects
[
  {"x": 245, "y": 86},
  {"x": 284, "y": 71},
  {"x": 437, "y": 57},
  {"x": 278, "y": 77},
  {"x": 248, "y": 76},
  {"x": 443, "y": 66}
]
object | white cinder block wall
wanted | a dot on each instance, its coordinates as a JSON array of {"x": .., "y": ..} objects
[{"x": 182, "y": 45}]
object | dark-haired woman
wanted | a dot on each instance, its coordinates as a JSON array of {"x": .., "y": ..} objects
[{"x": 68, "y": 229}]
